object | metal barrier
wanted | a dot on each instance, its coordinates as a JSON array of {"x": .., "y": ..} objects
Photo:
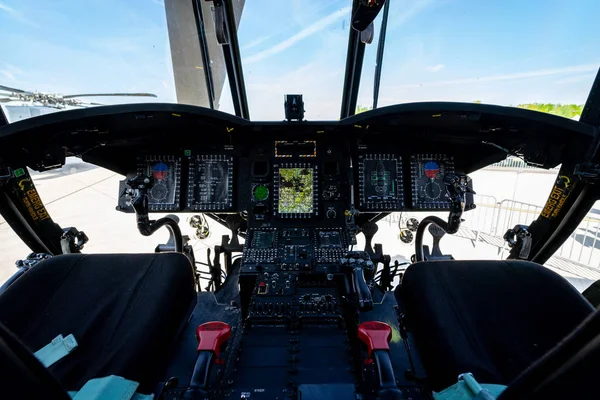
[
  {"x": 516, "y": 163},
  {"x": 510, "y": 213},
  {"x": 482, "y": 218},
  {"x": 579, "y": 255}
]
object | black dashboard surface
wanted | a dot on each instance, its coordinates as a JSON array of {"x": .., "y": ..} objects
[{"x": 388, "y": 159}]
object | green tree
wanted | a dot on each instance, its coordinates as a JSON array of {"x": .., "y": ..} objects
[
  {"x": 563, "y": 110},
  {"x": 360, "y": 109}
]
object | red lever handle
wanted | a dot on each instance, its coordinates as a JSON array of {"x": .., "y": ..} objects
[
  {"x": 375, "y": 335},
  {"x": 211, "y": 335}
]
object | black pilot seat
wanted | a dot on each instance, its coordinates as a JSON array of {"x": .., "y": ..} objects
[
  {"x": 124, "y": 310},
  {"x": 491, "y": 318}
]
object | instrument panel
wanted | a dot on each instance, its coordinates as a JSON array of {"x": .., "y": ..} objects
[
  {"x": 210, "y": 183},
  {"x": 428, "y": 189},
  {"x": 295, "y": 190},
  {"x": 380, "y": 182},
  {"x": 304, "y": 180},
  {"x": 166, "y": 172}
]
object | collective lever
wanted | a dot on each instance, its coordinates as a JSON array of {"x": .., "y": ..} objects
[
  {"x": 211, "y": 336},
  {"x": 376, "y": 336}
]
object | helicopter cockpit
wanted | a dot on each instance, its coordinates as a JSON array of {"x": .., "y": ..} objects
[{"x": 293, "y": 307}]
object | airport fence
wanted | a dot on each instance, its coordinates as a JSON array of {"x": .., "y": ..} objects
[
  {"x": 489, "y": 221},
  {"x": 516, "y": 163}
]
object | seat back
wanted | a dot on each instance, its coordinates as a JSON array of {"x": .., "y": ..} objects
[
  {"x": 124, "y": 310},
  {"x": 491, "y": 318}
]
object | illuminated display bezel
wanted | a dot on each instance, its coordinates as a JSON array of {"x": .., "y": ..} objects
[
  {"x": 252, "y": 254},
  {"x": 326, "y": 253},
  {"x": 266, "y": 199},
  {"x": 415, "y": 160},
  {"x": 176, "y": 162},
  {"x": 315, "y": 193},
  {"x": 193, "y": 167},
  {"x": 279, "y": 143},
  {"x": 398, "y": 203}
]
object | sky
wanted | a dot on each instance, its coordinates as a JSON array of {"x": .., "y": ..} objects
[{"x": 503, "y": 52}]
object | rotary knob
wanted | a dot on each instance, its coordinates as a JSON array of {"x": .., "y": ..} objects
[{"x": 331, "y": 213}]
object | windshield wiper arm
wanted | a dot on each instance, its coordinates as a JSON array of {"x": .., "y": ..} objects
[{"x": 380, "y": 49}]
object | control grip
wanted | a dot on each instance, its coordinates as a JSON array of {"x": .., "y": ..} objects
[{"x": 363, "y": 294}]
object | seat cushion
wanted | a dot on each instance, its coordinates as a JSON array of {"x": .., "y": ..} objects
[
  {"x": 123, "y": 309},
  {"x": 491, "y": 318}
]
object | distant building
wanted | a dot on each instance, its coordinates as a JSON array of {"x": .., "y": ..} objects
[{"x": 17, "y": 111}]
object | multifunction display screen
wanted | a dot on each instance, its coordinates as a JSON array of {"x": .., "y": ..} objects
[{"x": 296, "y": 190}]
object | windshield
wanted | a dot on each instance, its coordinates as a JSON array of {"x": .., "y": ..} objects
[
  {"x": 508, "y": 53},
  {"x": 84, "y": 47}
]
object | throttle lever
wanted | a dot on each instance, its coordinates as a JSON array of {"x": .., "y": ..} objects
[
  {"x": 358, "y": 263},
  {"x": 363, "y": 294},
  {"x": 376, "y": 336},
  {"x": 211, "y": 336}
]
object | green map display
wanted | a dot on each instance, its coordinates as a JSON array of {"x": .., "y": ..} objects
[{"x": 295, "y": 190}]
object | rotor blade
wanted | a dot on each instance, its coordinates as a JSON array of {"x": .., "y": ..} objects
[
  {"x": 85, "y": 104},
  {"x": 13, "y": 90},
  {"x": 110, "y": 94}
]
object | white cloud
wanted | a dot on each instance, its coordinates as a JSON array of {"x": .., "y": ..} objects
[
  {"x": 304, "y": 33},
  {"x": 9, "y": 71},
  {"x": 9, "y": 75},
  {"x": 256, "y": 42},
  {"x": 7, "y": 9},
  {"x": 435, "y": 68},
  {"x": 586, "y": 76},
  {"x": 16, "y": 15},
  {"x": 507, "y": 77},
  {"x": 405, "y": 10}
]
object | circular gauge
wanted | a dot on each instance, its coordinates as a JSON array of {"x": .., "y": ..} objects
[
  {"x": 433, "y": 190},
  {"x": 159, "y": 192},
  {"x": 260, "y": 192},
  {"x": 160, "y": 171}
]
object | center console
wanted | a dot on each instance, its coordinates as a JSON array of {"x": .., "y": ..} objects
[{"x": 302, "y": 313}]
